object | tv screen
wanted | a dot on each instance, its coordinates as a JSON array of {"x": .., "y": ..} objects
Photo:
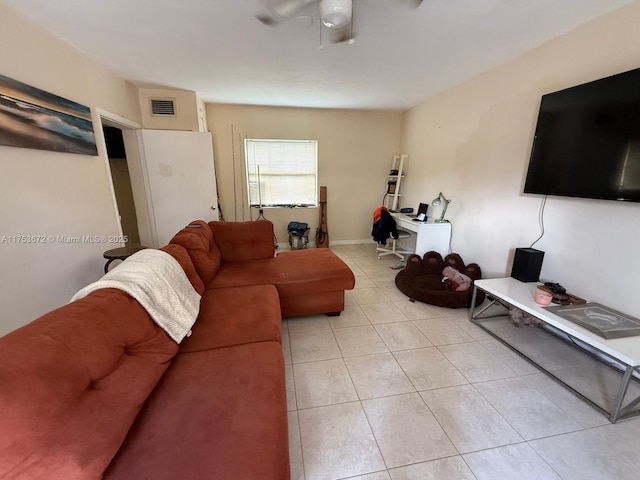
[{"x": 587, "y": 141}]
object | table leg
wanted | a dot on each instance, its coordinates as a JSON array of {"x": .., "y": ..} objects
[
  {"x": 106, "y": 267},
  {"x": 473, "y": 302},
  {"x": 473, "y": 315},
  {"x": 621, "y": 394}
]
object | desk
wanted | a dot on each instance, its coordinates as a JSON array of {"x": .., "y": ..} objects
[
  {"x": 429, "y": 235},
  {"x": 625, "y": 351}
]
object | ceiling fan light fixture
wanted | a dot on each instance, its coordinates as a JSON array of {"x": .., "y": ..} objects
[{"x": 335, "y": 13}]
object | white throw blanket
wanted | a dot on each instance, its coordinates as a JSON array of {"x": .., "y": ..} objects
[{"x": 158, "y": 282}]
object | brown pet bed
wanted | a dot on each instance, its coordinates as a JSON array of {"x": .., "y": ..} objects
[{"x": 421, "y": 280}]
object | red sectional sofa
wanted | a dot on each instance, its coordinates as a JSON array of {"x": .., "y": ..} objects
[{"x": 95, "y": 389}]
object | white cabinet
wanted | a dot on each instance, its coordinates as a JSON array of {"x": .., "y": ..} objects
[{"x": 173, "y": 181}]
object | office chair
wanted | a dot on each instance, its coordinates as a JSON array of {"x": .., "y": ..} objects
[{"x": 382, "y": 251}]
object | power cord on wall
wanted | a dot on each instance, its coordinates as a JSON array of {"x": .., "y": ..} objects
[{"x": 540, "y": 220}]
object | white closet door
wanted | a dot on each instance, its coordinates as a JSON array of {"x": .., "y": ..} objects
[{"x": 181, "y": 180}]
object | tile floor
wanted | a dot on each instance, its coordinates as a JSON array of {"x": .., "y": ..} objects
[{"x": 394, "y": 390}]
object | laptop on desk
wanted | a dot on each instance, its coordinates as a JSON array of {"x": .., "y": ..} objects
[{"x": 421, "y": 216}]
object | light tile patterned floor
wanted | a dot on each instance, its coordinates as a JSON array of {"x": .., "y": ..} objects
[{"x": 395, "y": 390}]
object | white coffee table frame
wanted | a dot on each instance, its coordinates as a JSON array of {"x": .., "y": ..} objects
[{"x": 625, "y": 351}]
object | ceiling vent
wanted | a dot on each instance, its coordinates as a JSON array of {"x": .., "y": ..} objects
[{"x": 163, "y": 107}]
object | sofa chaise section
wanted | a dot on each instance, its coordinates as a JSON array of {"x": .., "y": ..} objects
[
  {"x": 308, "y": 281},
  {"x": 243, "y": 253}
]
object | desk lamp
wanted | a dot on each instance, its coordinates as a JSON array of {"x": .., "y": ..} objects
[{"x": 437, "y": 201}]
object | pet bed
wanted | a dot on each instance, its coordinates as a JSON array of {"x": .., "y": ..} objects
[{"x": 421, "y": 280}]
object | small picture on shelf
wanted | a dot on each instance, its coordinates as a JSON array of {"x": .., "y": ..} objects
[{"x": 391, "y": 187}]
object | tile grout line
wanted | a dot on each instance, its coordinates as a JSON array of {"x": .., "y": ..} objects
[
  {"x": 359, "y": 396},
  {"x": 395, "y": 395}
]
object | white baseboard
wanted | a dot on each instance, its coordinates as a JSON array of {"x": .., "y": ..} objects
[
  {"x": 284, "y": 246},
  {"x": 352, "y": 242}
]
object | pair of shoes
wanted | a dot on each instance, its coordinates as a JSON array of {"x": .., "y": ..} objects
[{"x": 555, "y": 287}]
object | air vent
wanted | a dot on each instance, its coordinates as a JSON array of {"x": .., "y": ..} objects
[{"x": 164, "y": 107}]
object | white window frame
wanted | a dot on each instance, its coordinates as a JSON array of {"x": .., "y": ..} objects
[{"x": 260, "y": 171}]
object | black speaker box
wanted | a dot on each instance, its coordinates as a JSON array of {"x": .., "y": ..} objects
[{"x": 527, "y": 264}]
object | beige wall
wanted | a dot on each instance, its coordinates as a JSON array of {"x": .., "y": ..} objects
[
  {"x": 473, "y": 144},
  {"x": 47, "y": 193},
  {"x": 355, "y": 149},
  {"x": 186, "y": 104}
]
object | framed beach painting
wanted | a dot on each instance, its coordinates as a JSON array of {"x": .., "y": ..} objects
[{"x": 33, "y": 118}]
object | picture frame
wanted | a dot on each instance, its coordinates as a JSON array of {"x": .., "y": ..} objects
[{"x": 36, "y": 119}]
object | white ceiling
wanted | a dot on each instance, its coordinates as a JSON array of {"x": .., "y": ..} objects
[{"x": 219, "y": 49}]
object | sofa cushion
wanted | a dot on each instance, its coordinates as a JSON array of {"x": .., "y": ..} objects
[
  {"x": 236, "y": 315},
  {"x": 73, "y": 381},
  {"x": 182, "y": 256},
  {"x": 217, "y": 414},
  {"x": 296, "y": 272},
  {"x": 241, "y": 241},
  {"x": 197, "y": 238}
]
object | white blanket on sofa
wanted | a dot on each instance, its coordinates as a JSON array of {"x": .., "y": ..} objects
[{"x": 158, "y": 282}]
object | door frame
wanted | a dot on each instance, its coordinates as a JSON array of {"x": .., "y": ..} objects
[{"x": 101, "y": 117}]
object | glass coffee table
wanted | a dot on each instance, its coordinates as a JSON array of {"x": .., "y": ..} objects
[{"x": 608, "y": 375}]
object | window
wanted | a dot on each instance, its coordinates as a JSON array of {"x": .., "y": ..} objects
[{"x": 282, "y": 173}]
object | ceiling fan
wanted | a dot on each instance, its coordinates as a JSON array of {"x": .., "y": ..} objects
[{"x": 336, "y": 15}]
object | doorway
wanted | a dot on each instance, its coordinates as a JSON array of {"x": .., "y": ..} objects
[{"x": 121, "y": 180}]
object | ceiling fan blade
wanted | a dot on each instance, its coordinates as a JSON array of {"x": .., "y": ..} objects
[{"x": 283, "y": 10}]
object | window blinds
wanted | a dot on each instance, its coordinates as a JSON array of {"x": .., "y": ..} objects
[{"x": 282, "y": 173}]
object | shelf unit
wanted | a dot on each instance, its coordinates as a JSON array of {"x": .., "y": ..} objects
[{"x": 392, "y": 196}]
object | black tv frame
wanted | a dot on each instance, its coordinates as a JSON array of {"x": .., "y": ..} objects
[{"x": 587, "y": 141}]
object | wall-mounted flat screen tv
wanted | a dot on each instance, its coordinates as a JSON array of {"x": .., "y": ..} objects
[{"x": 587, "y": 141}]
